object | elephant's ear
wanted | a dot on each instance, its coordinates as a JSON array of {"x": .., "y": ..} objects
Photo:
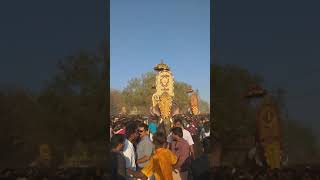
[
  {"x": 155, "y": 111},
  {"x": 176, "y": 111}
]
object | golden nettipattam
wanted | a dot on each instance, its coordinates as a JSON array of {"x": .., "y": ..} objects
[
  {"x": 268, "y": 124},
  {"x": 163, "y": 97},
  {"x": 272, "y": 154},
  {"x": 194, "y": 104}
]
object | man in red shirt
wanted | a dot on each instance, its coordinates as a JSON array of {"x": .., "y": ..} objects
[
  {"x": 186, "y": 135},
  {"x": 180, "y": 148}
]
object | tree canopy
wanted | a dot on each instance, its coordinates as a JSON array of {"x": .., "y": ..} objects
[
  {"x": 138, "y": 93},
  {"x": 69, "y": 109},
  {"x": 235, "y": 118}
]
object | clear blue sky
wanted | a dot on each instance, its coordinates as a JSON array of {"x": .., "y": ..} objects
[{"x": 143, "y": 32}]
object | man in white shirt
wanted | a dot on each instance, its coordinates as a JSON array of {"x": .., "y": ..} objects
[
  {"x": 186, "y": 135},
  {"x": 205, "y": 131},
  {"x": 129, "y": 150}
]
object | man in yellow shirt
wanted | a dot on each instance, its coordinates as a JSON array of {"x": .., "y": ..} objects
[{"x": 160, "y": 163}]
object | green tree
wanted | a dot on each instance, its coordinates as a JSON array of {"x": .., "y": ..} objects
[
  {"x": 180, "y": 95},
  {"x": 75, "y": 99},
  {"x": 116, "y": 101},
  {"x": 139, "y": 93},
  {"x": 204, "y": 106},
  {"x": 233, "y": 116},
  {"x": 300, "y": 142},
  {"x": 78, "y": 75},
  {"x": 70, "y": 108},
  {"x": 22, "y": 125}
]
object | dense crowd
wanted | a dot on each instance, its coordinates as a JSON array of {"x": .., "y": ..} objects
[
  {"x": 142, "y": 151},
  {"x": 180, "y": 145},
  {"x": 54, "y": 174},
  {"x": 138, "y": 150},
  {"x": 224, "y": 173},
  {"x": 198, "y": 126}
]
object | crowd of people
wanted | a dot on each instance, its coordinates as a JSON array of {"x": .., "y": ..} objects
[
  {"x": 223, "y": 173},
  {"x": 143, "y": 152},
  {"x": 54, "y": 174},
  {"x": 139, "y": 150},
  {"x": 198, "y": 126}
]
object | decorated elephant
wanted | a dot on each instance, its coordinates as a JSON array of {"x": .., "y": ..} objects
[
  {"x": 163, "y": 105},
  {"x": 164, "y": 125}
]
